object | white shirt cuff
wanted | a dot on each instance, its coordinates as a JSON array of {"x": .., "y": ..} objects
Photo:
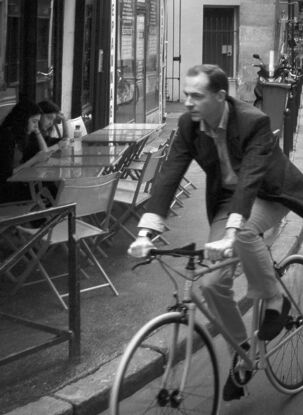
[
  {"x": 153, "y": 222},
  {"x": 235, "y": 220}
]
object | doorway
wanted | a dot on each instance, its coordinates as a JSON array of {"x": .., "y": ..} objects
[{"x": 220, "y": 38}]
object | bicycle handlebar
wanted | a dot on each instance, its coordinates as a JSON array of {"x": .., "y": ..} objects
[{"x": 184, "y": 251}]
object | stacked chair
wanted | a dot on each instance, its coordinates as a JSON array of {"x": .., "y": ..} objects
[{"x": 135, "y": 190}]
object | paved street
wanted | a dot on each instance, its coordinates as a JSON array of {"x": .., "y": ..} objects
[{"x": 47, "y": 378}]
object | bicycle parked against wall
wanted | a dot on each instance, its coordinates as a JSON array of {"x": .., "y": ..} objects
[{"x": 177, "y": 379}]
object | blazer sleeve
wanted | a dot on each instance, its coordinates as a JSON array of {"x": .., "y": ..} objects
[
  {"x": 257, "y": 149},
  {"x": 171, "y": 174}
]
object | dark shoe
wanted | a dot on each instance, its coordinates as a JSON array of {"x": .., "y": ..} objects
[
  {"x": 274, "y": 321},
  {"x": 231, "y": 391}
]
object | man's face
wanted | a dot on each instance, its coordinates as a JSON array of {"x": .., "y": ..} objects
[{"x": 200, "y": 102}]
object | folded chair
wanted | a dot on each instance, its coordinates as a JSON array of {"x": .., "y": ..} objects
[
  {"x": 133, "y": 194},
  {"x": 8, "y": 236},
  {"x": 185, "y": 182},
  {"x": 93, "y": 196}
]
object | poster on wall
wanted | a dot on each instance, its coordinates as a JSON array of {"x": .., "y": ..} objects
[{"x": 127, "y": 28}]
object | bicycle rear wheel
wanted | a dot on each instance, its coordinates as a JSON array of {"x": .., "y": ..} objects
[
  {"x": 285, "y": 363},
  {"x": 143, "y": 365}
]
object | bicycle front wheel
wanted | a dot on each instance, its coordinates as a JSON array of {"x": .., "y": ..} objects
[
  {"x": 285, "y": 360},
  {"x": 139, "y": 386}
]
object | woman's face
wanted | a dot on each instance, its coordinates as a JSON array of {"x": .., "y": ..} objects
[
  {"x": 33, "y": 123},
  {"x": 47, "y": 121}
]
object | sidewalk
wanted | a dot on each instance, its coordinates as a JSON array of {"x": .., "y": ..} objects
[{"x": 87, "y": 390}]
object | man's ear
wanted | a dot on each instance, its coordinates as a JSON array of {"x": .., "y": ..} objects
[{"x": 221, "y": 95}]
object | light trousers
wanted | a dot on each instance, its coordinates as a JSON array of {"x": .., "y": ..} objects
[{"x": 217, "y": 287}]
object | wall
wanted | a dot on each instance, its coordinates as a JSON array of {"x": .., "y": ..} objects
[
  {"x": 257, "y": 25},
  {"x": 256, "y": 35}
]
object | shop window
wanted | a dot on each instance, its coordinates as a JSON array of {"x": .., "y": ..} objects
[
  {"x": 152, "y": 58},
  {"x": 137, "y": 59}
]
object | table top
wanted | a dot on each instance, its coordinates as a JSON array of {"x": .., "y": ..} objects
[
  {"x": 118, "y": 136},
  {"x": 134, "y": 126},
  {"x": 84, "y": 155},
  {"x": 53, "y": 174},
  {"x": 80, "y": 160}
]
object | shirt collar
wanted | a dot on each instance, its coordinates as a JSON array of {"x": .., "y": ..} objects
[{"x": 222, "y": 124}]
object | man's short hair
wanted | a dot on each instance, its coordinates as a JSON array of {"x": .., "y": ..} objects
[{"x": 217, "y": 77}]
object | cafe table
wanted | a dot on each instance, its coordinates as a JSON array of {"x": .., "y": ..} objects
[
  {"x": 134, "y": 126},
  {"x": 82, "y": 160},
  {"x": 123, "y": 133}
]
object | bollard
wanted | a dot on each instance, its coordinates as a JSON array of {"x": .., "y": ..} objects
[
  {"x": 287, "y": 132},
  {"x": 291, "y": 107}
]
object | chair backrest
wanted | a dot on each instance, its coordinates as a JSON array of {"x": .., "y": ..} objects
[
  {"x": 151, "y": 168},
  {"x": 124, "y": 160},
  {"x": 71, "y": 124},
  {"x": 169, "y": 142},
  {"x": 91, "y": 194}
]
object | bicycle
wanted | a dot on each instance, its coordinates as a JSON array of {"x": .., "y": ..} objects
[{"x": 170, "y": 341}]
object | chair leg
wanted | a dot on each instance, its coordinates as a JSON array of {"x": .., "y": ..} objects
[
  {"x": 96, "y": 262},
  {"x": 160, "y": 238},
  {"x": 52, "y": 285},
  {"x": 189, "y": 183}
]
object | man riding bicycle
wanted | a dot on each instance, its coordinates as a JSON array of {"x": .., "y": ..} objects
[{"x": 250, "y": 187}]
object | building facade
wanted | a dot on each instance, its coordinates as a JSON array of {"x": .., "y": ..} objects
[
  {"x": 227, "y": 33},
  {"x": 99, "y": 59}
]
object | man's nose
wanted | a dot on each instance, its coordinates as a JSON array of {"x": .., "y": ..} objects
[{"x": 189, "y": 101}]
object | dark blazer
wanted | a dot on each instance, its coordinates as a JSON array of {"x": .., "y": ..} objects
[{"x": 262, "y": 168}]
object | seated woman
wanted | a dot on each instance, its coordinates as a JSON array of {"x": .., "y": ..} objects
[
  {"x": 50, "y": 122},
  {"x": 17, "y": 131}
]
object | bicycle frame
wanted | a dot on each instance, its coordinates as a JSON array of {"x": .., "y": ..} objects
[{"x": 250, "y": 360}]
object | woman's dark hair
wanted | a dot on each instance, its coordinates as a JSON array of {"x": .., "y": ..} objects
[
  {"x": 217, "y": 77},
  {"x": 17, "y": 118},
  {"x": 48, "y": 107}
]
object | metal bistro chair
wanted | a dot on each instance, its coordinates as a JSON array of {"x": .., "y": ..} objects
[
  {"x": 8, "y": 237},
  {"x": 92, "y": 196},
  {"x": 133, "y": 194}
]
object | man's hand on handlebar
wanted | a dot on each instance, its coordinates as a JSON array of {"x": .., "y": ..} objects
[
  {"x": 223, "y": 248},
  {"x": 140, "y": 247}
]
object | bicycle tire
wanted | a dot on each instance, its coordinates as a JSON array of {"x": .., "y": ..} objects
[
  {"x": 284, "y": 367},
  {"x": 151, "y": 343}
]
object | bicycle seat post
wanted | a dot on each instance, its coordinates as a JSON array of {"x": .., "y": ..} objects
[{"x": 254, "y": 327}]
